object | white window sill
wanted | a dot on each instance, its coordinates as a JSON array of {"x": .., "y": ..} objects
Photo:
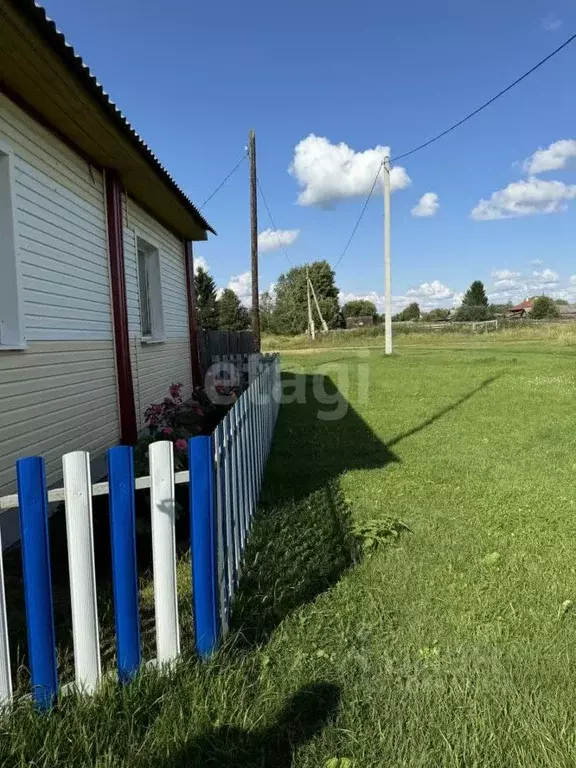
[
  {"x": 152, "y": 339},
  {"x": 13, "y": 347}
]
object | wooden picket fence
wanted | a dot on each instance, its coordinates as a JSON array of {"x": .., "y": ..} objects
[{"x": 224, "y": 481}]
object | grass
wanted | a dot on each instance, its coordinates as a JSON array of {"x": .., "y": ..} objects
[
  {"x": 407, "y": 592},
  {"x": 557, "y": 333}
]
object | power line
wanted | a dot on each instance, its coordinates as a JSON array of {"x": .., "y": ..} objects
[
  {"x": 486, "y": 104},
  {"x": 362, "y": 212},
  {"x": 219, "y": 187},
  {"x": 272, "y": 222},
  {"x": 447, "y": 131}
]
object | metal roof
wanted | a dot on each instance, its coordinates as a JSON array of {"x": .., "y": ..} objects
[{"x": 47, "y": 29}]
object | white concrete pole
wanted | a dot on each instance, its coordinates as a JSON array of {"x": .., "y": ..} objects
[{"x": 387, "y": 268}]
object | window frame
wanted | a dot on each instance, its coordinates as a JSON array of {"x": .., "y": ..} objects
[
  {"x": 153, "y": 256},
  {"x": 12, "y": 325}
]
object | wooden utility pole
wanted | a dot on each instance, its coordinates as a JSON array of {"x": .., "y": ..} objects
[
  {"x": 387, "y": 267},
  {"x": 254, "y": 240}
]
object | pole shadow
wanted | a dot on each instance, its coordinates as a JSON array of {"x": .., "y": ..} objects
[{"x": 302, "y": 541}]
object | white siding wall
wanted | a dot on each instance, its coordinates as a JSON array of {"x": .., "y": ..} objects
[
  {"x": 60, "y": 394},
  {"x": 156, "y": 366}
]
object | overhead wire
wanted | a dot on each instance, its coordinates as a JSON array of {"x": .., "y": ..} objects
[
  {"x": 446, "y": 132},
  {"x": 486, "y": 103},
  {"x": 274, "y": 227},
  {"x": 362, "y": 212},
  {"x": 219, "y": 187}
]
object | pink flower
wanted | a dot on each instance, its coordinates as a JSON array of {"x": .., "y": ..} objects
[
  {"x": 167, "y": 431},
  {"x": 175, "y": 389},
  {"x": 181, "y": 444}
]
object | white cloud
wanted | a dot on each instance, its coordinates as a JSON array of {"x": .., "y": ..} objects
[
  {"x": 554, "y": 157},
  {"x": 272, "y": 240},
  {"x": 427, "y": 205},
  {"x": 200, "y": 261},
  {"x": 505, "y": 274},
  {"x": 429, "y": 295},
  {"x": 551, "y": 22},
  {"x": 525, "y": 198},
  {"x": 433, "y": 291},
  {"x": 330, "y": 172},
  {"x": 573, "y": 280},
  {"x": 545, "y": 277},
  {"x": 537, "y": 262},
  {"x": 242, "y": 286},
  {"x": 515, "y": 287}
]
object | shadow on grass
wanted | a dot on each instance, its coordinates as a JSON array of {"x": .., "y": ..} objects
[
  {"x": 302, "y": 540},
  {"x": 304, "y": 715}
]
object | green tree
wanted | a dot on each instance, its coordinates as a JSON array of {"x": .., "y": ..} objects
[
  {"x": 206, "y": 301},
  {"x": 544, "y": 308},
  {"x": 290, "y": 313},
  {"x": 266, "y": 312},
  {"x": 411, "y": 312},
  {"x": 474, "y": 304},
  {"x": 436, "y": 314},
  {"x": 561, "y": 302},
  {"x": 359, "y": 308},
  {"x": 232, "y": 316}
]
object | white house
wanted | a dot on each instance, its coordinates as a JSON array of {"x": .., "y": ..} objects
[{"x": 96, "y": 300}]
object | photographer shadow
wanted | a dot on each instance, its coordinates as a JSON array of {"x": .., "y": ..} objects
[{"x": 304, "y": 715}]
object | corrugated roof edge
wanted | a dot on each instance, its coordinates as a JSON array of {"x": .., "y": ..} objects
[{"x": 56, "y": 40}]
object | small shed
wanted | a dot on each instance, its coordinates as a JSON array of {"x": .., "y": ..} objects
[
  {"x": 567, "y": 311},
  {"x": 359, "y": 322}
]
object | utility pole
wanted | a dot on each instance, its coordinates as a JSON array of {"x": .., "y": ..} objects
[
  {"x": 311, "y": 329},
  {"x": 387, "y": 268},
  {"x": 324, "y": 325},
  {"x": 254, "y": 240}
]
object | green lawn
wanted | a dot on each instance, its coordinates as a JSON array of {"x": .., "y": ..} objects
[{"x": 450, "y": 644}]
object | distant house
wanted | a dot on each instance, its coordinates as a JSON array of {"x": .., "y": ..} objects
[
  {"x": 567, "y": 311},
  {"x": 521, "y": 310},
  {"x": 96, "y": 301},
  {"x": 359, "y": 322}
]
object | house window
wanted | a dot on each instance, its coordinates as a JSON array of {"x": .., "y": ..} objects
[
  {"x": 11, "y": 320},
  {"x": 150, "y": 286}
]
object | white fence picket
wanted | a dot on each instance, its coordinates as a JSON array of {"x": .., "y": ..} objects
[
  {"x": 228, "y": 506},
  {"x": 236, "y": 500},
  {"x": 163, "y": 511},
  {"x": 220, "y": 502},
  {"x": 80, "y": 539},
  {"x": 5, "y": 676}
]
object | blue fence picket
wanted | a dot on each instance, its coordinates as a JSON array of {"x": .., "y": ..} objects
[
  {"x": 124, "y": 564},
  {"x": 203, "y": 544},
  {"x": 33, "y": 498}
]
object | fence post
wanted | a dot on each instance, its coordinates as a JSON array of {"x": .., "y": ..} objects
[
  {"x": 163, "y": 514},
  {"x": 81, "y": 565},
  {"x": 124, "y": 565},
  {"x": 33, "y": 498},
  {"x": 203, "y": 544}
]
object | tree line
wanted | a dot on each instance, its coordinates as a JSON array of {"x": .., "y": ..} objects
[{"x": 286, "y": 310}]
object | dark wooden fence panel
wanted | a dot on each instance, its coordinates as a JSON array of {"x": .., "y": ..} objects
[{"x": 214, "y": 345}]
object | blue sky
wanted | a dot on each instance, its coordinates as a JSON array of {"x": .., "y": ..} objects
[{"x": 195, "y": 77}]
